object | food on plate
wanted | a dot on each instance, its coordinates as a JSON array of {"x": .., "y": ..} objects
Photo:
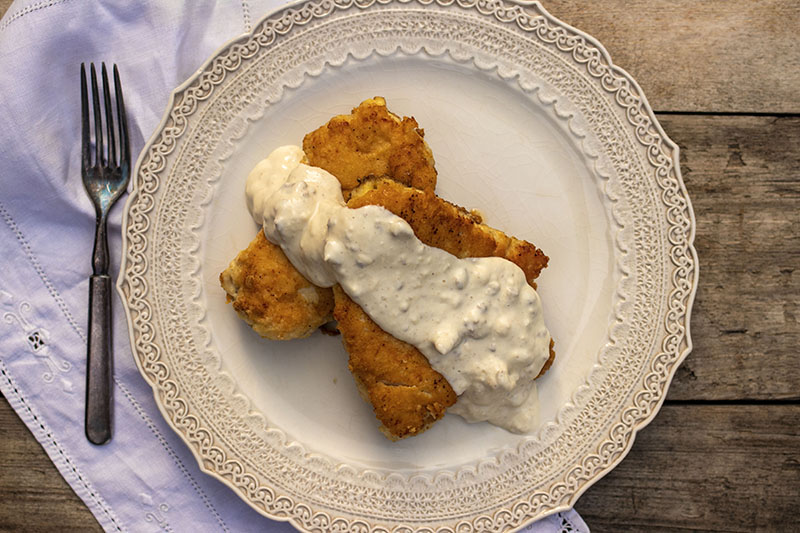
[
  {"x": 372, "y": 141},
  {"x": 378, "y": 361},
  {"x": 406, "y": 394},
  {"x": 439, "y": 223},
  {"x": 369, "y": 141},
  {"x": 431, "y": 303},
  {"x": 476, "y": 320},
  {"x": 272, "y": 296}
]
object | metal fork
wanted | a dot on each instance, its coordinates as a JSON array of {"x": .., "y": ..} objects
[{"x": 105, "y": 178}]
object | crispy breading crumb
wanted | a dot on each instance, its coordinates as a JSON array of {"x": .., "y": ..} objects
[{"x": 272, "y": 296}]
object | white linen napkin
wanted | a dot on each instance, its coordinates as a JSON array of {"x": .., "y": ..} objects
[{"x": 145, "y": 479}]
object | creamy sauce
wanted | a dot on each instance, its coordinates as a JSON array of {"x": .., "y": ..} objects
[
  {"x": 293, "y": 203},
  {"x": 476, "y": 320}
]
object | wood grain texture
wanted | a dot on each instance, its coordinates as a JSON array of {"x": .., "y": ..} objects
[
  {"x": 33, "y": 495},
  {"x": 730, "y": 56},
  {"x": 705, "y": 468},
  {"x": 743, "y": 178}
]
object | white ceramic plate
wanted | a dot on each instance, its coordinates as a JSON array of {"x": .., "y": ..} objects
[{"x": 530, "y": 123}]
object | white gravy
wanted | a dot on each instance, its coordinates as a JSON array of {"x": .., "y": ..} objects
[{"x": 476, "y": 320}]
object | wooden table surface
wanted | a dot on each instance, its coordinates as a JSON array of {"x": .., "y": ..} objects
[{"x": 724, "y": 452}]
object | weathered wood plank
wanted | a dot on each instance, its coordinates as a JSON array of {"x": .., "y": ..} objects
[
  {"x": 33, "y": 495},
  {"x": 705, "y": 468},
  {"x": 738, "y": 55},
  {"x": 743, "y": 177}
]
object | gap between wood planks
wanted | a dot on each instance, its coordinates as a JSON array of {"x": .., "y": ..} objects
[
  {"x": 734, "y": 402},
  {"x": 728, "y": 114}
]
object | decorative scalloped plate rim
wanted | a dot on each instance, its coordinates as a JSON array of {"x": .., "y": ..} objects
[{"x": 310, "y": 519}]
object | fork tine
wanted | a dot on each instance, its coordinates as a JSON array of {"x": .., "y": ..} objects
[
  {"x": 122, "y": 118},
  {"x": 98, "y": 124},
  {"x": 85, "y": 141},
  {"x": 111, "y": 153}
]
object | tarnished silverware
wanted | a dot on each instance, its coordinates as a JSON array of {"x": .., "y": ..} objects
[{"x": 105, "y": 177}]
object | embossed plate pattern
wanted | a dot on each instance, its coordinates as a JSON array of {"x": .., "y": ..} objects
[{"x": 531, "y": 123}]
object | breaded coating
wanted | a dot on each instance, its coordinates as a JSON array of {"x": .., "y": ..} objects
[
  {"x": 377, "y": 359},
  {"x": 406, "y": 394},
  {"x": 372, "y": 142},
  {"x": 549, "y": 362},
  {"x": 380, "y": 159},
  {"x": 272, "y": 296},
  {"x": 437, "y": 222}
]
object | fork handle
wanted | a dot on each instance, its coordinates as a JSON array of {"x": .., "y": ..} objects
[{"x": 99, "y": 361}]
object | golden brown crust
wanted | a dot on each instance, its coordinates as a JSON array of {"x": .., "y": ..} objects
[
  {"x": 272, "y": 296},
  {"x": 406, "y": 394},
  {"x": 549, "y": 362},
  {"x": 437, "y": 222},
  {"x": 376, "y": 357},
  {"x": 372, "y": 142}
]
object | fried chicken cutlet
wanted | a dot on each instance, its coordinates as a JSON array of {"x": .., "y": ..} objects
[
  {"x": 437, "y": 222},
  {"x": 406, "y": 393},
  {"x": 272, "y": 296},
  {"x": 370, "y": 141}
]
